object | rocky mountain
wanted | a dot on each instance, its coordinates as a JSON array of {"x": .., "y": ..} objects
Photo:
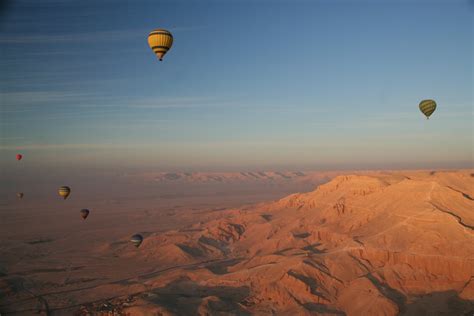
[{"x": 378, "y": 244}]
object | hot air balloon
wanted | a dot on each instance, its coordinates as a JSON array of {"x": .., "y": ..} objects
[
  {"x": 19, "y": 195},
  {"x": 136, "y": 240},
  {"x": 19, "y": 156},
  {"x": 84, "y": 213},
  {"x": 160, "y": 42},
  {"x": 427, "y": 107},
  {"x": 64, "y": 191}
]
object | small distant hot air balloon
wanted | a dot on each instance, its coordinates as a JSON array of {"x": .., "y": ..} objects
[
  {"x": 160, "y": 42},
  {"x": 427, "y": 107},
  {"x": 84, "y": 213},
  {"x": 20, "y": 195},
  {"x": 136, "y": 240},
  {"x": 64, "y": 191},
  {"x": 19, "y": 156}
]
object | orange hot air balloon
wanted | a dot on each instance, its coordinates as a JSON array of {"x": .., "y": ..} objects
[{"x": 19, "y": 156}]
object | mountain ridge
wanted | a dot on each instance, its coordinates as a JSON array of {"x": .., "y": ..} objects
[{"x": 359, "y": 244}]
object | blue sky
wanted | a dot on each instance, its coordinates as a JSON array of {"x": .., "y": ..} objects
[{"x": 246, "y": 85}]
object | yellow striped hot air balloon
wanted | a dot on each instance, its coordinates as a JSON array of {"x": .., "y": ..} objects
[
  {"x": 160, "y": 42},
  {"x": 64, "y": 191},
  {"x": 427, "y": 107}
]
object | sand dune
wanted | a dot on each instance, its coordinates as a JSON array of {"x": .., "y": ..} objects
[{"x": 379, "y": 243}]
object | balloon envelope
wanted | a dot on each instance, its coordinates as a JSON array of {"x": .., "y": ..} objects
[
  {"x": 19, "y": 195},
  {"x": 136, "y": 240},
  {"x": 84, "y": 213},
  {"x": 160, "y": 42},
  {"x": 64, "y": 191},
  {"x": 19, "y": 156},
  {"x": 427, "y": 107}
]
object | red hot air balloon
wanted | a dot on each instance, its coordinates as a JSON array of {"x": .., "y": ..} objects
[{"x": 19, "y": 156}]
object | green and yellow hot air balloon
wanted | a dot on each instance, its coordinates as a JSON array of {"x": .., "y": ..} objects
[
  {"x": 64, "y": 191},
  {"x": 160, "y": 42},
  {"x": 427, "y": 107}
]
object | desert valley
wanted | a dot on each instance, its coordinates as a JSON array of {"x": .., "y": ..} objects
[{"x": 355, "y": 243}]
